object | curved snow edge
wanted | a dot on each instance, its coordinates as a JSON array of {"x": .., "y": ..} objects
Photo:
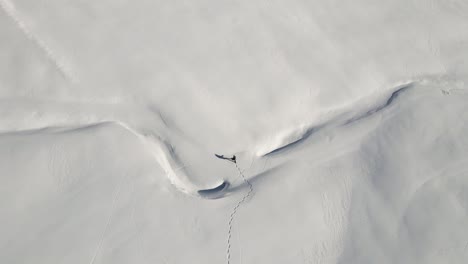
[
  {"x": 159, "y": 148},
  {"x": 295, "y": 136}
]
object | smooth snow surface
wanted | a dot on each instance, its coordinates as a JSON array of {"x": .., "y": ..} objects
[{"x": 348, "y": 120}]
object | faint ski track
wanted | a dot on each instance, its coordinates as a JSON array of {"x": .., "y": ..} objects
[
  {"x": 109, "y": 219},
  {"x": 10, "y": 10},
  {"x": 135, "y": 226},
  {"x": 234, "y": 211}
]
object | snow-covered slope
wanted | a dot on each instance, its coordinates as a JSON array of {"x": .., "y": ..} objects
[{"x": 347, "y": 118}]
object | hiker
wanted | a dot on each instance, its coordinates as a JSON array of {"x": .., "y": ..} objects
[{"x": 233, "y": 159}]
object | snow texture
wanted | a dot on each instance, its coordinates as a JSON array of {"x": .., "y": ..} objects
[{"x": 348, "y": 120}]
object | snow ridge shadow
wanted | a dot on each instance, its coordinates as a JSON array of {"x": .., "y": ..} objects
[{"x": 342, "y": 120}]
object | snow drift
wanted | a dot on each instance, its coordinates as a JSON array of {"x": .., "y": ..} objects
[{"x": 348, "y": 121}]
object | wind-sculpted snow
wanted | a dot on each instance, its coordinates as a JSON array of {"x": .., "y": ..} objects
[
  {"x": 215, "y": 192},
  {"x": 336, "y": 184},
  {"x": 164, "y": 153},
  {"x": 348, "y": 120},
  {"x": 161, "y": 150},
  {"x": 298, "y": 136}
]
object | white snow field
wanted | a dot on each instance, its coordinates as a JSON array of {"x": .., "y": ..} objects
[{"x": 349, "y": 121}]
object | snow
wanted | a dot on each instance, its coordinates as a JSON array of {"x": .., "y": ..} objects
[{"x": 347, "y": 118}]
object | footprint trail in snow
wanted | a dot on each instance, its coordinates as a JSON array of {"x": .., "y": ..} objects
[{"x": 234, "y": 212}]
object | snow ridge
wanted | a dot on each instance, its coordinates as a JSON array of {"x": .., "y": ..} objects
[
  {"x": 157, "y": 146},
  {"x": 297, "y": 136},
  {"x": 234, "y": 211}
]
